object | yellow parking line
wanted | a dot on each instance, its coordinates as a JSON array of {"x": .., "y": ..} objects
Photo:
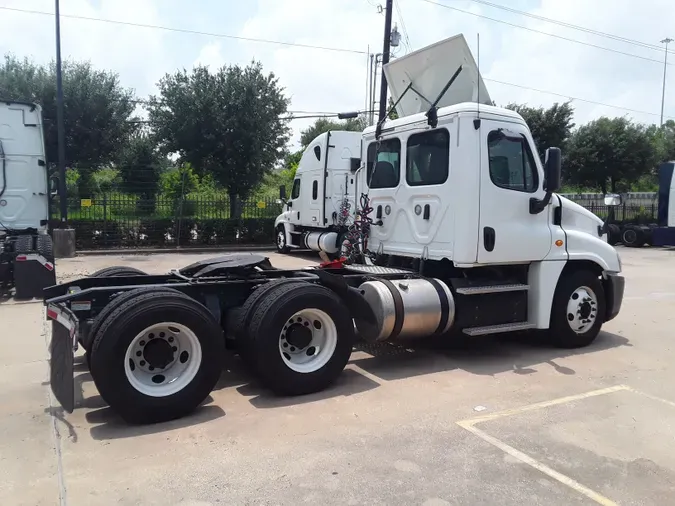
[
  {"x": 545, "y": 404},
  {"x": 650, "y": 396},
  {"x": 470, "y": 425}
]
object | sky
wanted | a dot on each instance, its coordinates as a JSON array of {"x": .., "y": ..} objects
[{"x": 523, "y": 58}]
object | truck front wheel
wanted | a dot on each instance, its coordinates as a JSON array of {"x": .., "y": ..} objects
[
  {"x": 282, "y": 245},
  {"x": 302, "y": 337},
  {"x": 157, "y": 356},
  {"x": 578, "y": 310}
]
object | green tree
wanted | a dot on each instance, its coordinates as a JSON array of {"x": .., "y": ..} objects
[
  {"x": 663, "y": 140},
  {"x": 549, "y": 127},
  {"x": 140, "y": 165},
  {"x": 97, "y": 111},
  {"x": 393, "y": 114},
  {"x": 609, "y": 154},
  {"x": 229, "y": 124},
  {"x": 323, "y": 125}
]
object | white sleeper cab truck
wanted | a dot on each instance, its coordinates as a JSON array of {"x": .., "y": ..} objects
[
  {"x": 26, "y": 253},
  {"x": 321, "y": 203},
  {"x": 458, "y": 231}
]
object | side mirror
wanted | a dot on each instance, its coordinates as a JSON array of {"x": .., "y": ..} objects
[
  {"x": 552, "y": 169},
  {"x": 612, "y": 199},
  {"x": 282, "y": 192},
  {"x": 53, "y": 186}
]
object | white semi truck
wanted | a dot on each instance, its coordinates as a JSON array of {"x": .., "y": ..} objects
[
  {"x": 456, "y": 213},
  {"x": 26, "y": 252}
]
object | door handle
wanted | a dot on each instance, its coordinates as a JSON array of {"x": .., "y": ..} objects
[
  {"x": 427, "y": 211},
  {"x": 379, "y": 212},
  {"x": 489, "y": 238}
]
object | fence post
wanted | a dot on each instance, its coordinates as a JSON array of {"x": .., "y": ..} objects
[{"x": 105, "y": 219}]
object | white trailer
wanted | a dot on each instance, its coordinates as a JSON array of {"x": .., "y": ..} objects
[
  {"x": 461, "y": 226},
  {"x": 26, "y": 252}
]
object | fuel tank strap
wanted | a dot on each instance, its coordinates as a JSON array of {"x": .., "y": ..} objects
[
  {"x": 445, "y": 306},
  {"x": 398, "y": 308}
]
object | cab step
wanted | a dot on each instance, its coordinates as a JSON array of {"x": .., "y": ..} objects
[
  {"x": 479, "y": 290},
  {"x": 498, "y": 329}
]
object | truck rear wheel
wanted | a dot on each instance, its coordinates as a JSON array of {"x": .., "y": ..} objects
[
  {"x": 578, "y": 310},
  {"x": 117, "y": 271},
  {"x": 157, "y": 356},
  {"x": 244, "y": 315},
  {"x": 301, "y": 337},
  {"x": 633, "y": 236}
]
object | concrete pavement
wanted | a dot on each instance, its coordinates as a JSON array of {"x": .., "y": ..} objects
[{"x": 589, "y": 426}]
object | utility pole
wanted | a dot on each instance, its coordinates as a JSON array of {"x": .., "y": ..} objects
[
  {"x": 385, "y": 58},
  {"x": 665, "y": 41},
  {"x": 59, "y": 123}
]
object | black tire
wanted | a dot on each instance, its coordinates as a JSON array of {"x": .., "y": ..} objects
[
  {"x": 280, "y": 239},
  {"x": 271, "y": 317},
  {"x": 613, "y": 234},
  {"x": 649, "y": 237},
  {"x": 45, "y": 247},
  {"x": 24, "y": 244},
  {"x": 241, "y": 322},
  {"x": 632, "y": 236},
  {"x": 561, "y": 333},
  {"x": 117, "y": 333},
  {"x": 117, "y": 271},
  {"x": 87, "y": 340}
]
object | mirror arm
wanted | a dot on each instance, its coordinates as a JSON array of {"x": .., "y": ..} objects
[
  {"x": 604, "y": 228},
  {"x": 537, "y": 206}
]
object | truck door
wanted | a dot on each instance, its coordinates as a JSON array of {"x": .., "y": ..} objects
[
  {"x": 295, "y": 203},
  {"x": 511, "y": 175}
]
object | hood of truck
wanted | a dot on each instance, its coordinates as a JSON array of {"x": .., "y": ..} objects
[
  {"x": 583, "y": 242},
  {"x": 578, "y": 217}
]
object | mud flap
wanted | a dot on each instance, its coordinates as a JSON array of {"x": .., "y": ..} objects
[{"x": 61, "y": 362}]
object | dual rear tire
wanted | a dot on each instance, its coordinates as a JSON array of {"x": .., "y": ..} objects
[{"x": 297, "y": 337}]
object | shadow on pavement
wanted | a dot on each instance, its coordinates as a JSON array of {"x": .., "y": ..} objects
[
  {"x": 111, "y": 426},
  {"x": 523, "y": 353}
]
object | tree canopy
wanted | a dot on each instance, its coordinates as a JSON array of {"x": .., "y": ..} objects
[
  {"x": 550, "y": 127},
  {"x": 230, "y": 123},
  {"x": 97, "y": 108},
  {"x": 323, "y": 125},
  {"x": 609, "y": 154}
]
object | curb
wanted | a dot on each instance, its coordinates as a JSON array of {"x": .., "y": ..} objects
[{"x": 155, "y": 251}]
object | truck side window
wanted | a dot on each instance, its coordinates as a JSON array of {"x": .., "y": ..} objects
[
  {"x": 428, "y": 158},
  {"x": 384, "y": 164},
  {"x": 315, "y": 190},
  {"x": 295, "y": 192},
  {"x": 511, "y": 162}
]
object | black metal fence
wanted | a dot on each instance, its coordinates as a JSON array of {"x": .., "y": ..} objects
[{"x": 126, "y": 221}]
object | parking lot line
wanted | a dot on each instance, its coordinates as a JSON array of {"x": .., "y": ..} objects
[
  {"x": 470, "y": 425},
  {"x": 650, "y": 396}
]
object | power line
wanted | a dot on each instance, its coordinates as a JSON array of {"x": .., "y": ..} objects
[
  {"x": 574, "y": 98},
  {"x": 403, "y": 27},
  {"x": 572, "y": 26},
  {"x": 185, "y": 30},
  {"x": 568, "y": 39}
]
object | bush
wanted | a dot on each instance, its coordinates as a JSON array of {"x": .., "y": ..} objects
[{"x": 164, "y": 232}]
